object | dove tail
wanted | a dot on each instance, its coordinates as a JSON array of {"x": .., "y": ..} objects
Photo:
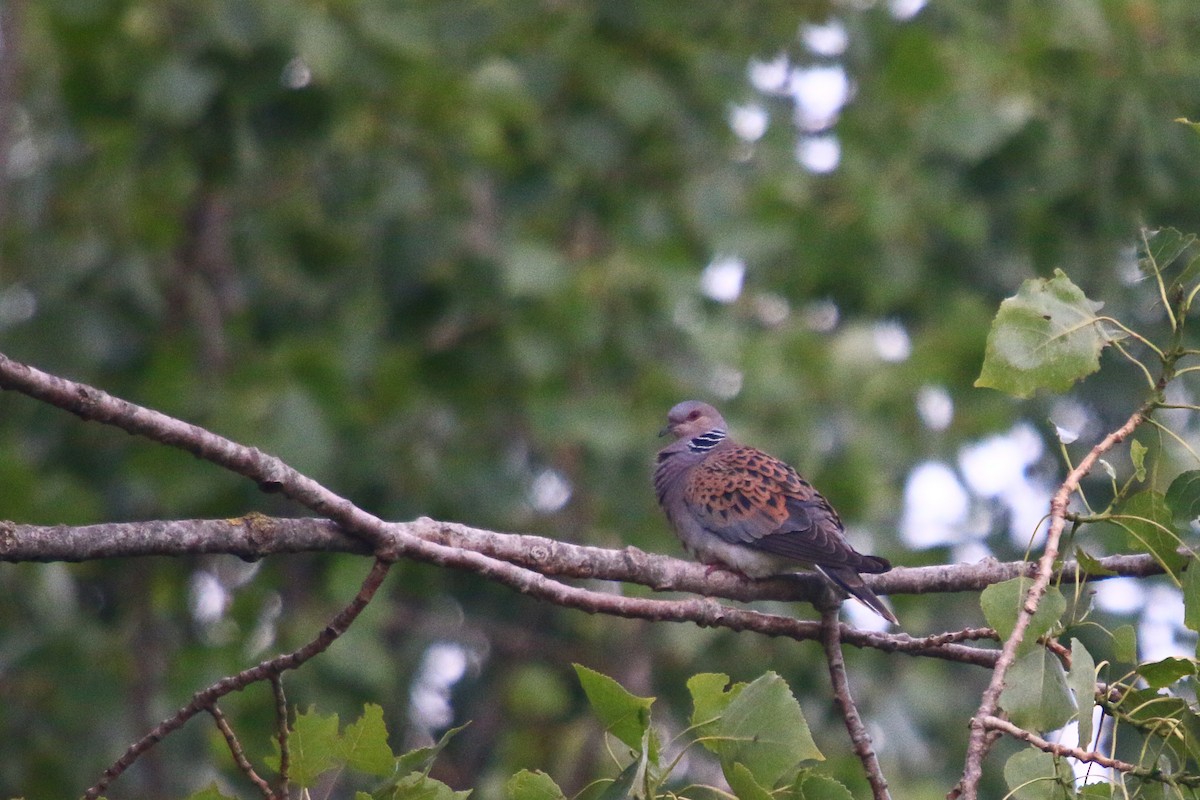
[
  {"x": 852, "y": 583},
  {"x": 874, "y": 565}
]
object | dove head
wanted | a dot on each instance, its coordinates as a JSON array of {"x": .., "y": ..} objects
[{"x": 692, "y": 418}]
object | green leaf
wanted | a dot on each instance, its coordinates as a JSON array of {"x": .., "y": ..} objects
[
  {"x": 1161, "y": 248},
  {"x": 526, "y": 785},
  {"x": 365, "y": 744},
  {"x": 1171, "y": 718},
  {"x": 810, "y": 785},
  {"x": 419, "y": 786},
  {"x": 1125, "y": 644},
  {"x": 422, "y": 758},
  {"x": 1143, "y": 705},
  {"x": 625, "y": 716},
  {"x": 314, "y": 746},
  {"x": 1002, "y": 601},
  {"x": 1082, "y": 680},
  {"x": 743, "y": 784},
  {"x": 1046, "y": 337},
  {"x": 1137, "y": 454},
  {"x": 1091, "y": 565},
  {"x": 709, "y": 701},
  {"x": 625, "y": 784},
  {"x": 1189, "y": 729},
  {"x": 1189, "y": 272},
  {"x": 1191, "y": 596},
  {"x": 1098, "y": 791},
  {"x": 1150, "y": 528},
  {"x": 764, "y": 729},
  {"x": 1183, "y": 497},
  {"x": 1034, "y": 775},
  {"x": 1161, "y": 674},
  {"x": 1035, "y": 695}
]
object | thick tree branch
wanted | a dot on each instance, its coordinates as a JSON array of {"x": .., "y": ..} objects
[
  {"x": 519, "y": 562},
  {"x": 250, "y": 537},
  {"x": 255, "y": 536},
  {"x": 391, "y": 541}
]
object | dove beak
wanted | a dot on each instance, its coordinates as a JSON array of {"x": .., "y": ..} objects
[{"x": 666, "y": 429}]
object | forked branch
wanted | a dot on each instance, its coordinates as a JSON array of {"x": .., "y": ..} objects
[
  {"x": 265, "y": 671},
  {"x": 980, "y": 740}
]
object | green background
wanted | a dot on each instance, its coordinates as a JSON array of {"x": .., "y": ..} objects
[{"x": 429, "y": 253}]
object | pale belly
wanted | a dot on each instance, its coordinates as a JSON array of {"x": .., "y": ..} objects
[{"x": 715, "y": 551}]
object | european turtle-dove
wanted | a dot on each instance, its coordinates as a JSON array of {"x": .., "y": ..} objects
[{"x": 738, "y": 508}]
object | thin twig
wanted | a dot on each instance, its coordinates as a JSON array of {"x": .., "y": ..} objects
[
  {"x": 964, "y": 635},
  {"x": 1178, "y": 439},
  {"x": 1131, "y": 332},
  {"x": 281, "y": 723},
  {"x": 203, "y": 699},
  {"x": 859, "y": 738},
  {"x": 1079, "y": 754},
  {"x": 978, "y": 744},
  {"x": 1144, "y": 232},
  {"x": 1130, "y": 357},
  {"x": 1057, "y": 648},
  {"x": 239, "y": 755}
]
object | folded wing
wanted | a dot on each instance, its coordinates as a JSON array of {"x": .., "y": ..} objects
[{"x": 748, "y": 497}]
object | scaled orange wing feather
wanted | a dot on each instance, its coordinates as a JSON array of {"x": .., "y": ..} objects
[{"x": 748, "y": 497}]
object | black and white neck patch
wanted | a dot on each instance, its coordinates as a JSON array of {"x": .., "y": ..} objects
[{"x": 706, "y": 441}]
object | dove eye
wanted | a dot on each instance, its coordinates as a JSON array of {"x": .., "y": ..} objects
[{"x": 693, "y": 415}]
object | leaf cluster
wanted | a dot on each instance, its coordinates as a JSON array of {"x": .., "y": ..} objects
[
  {"x": 756, "y": 730},
  {"x": 1047, "y": 337}
]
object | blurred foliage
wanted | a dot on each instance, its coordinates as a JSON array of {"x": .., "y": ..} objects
[
  {"x": 446, "y": 258},
  {"x": 756, "y": 729}
]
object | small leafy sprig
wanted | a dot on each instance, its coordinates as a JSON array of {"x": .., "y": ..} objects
[
  {"x": 1047, "y": 337},
  {"x": 756, "y": 730}
]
